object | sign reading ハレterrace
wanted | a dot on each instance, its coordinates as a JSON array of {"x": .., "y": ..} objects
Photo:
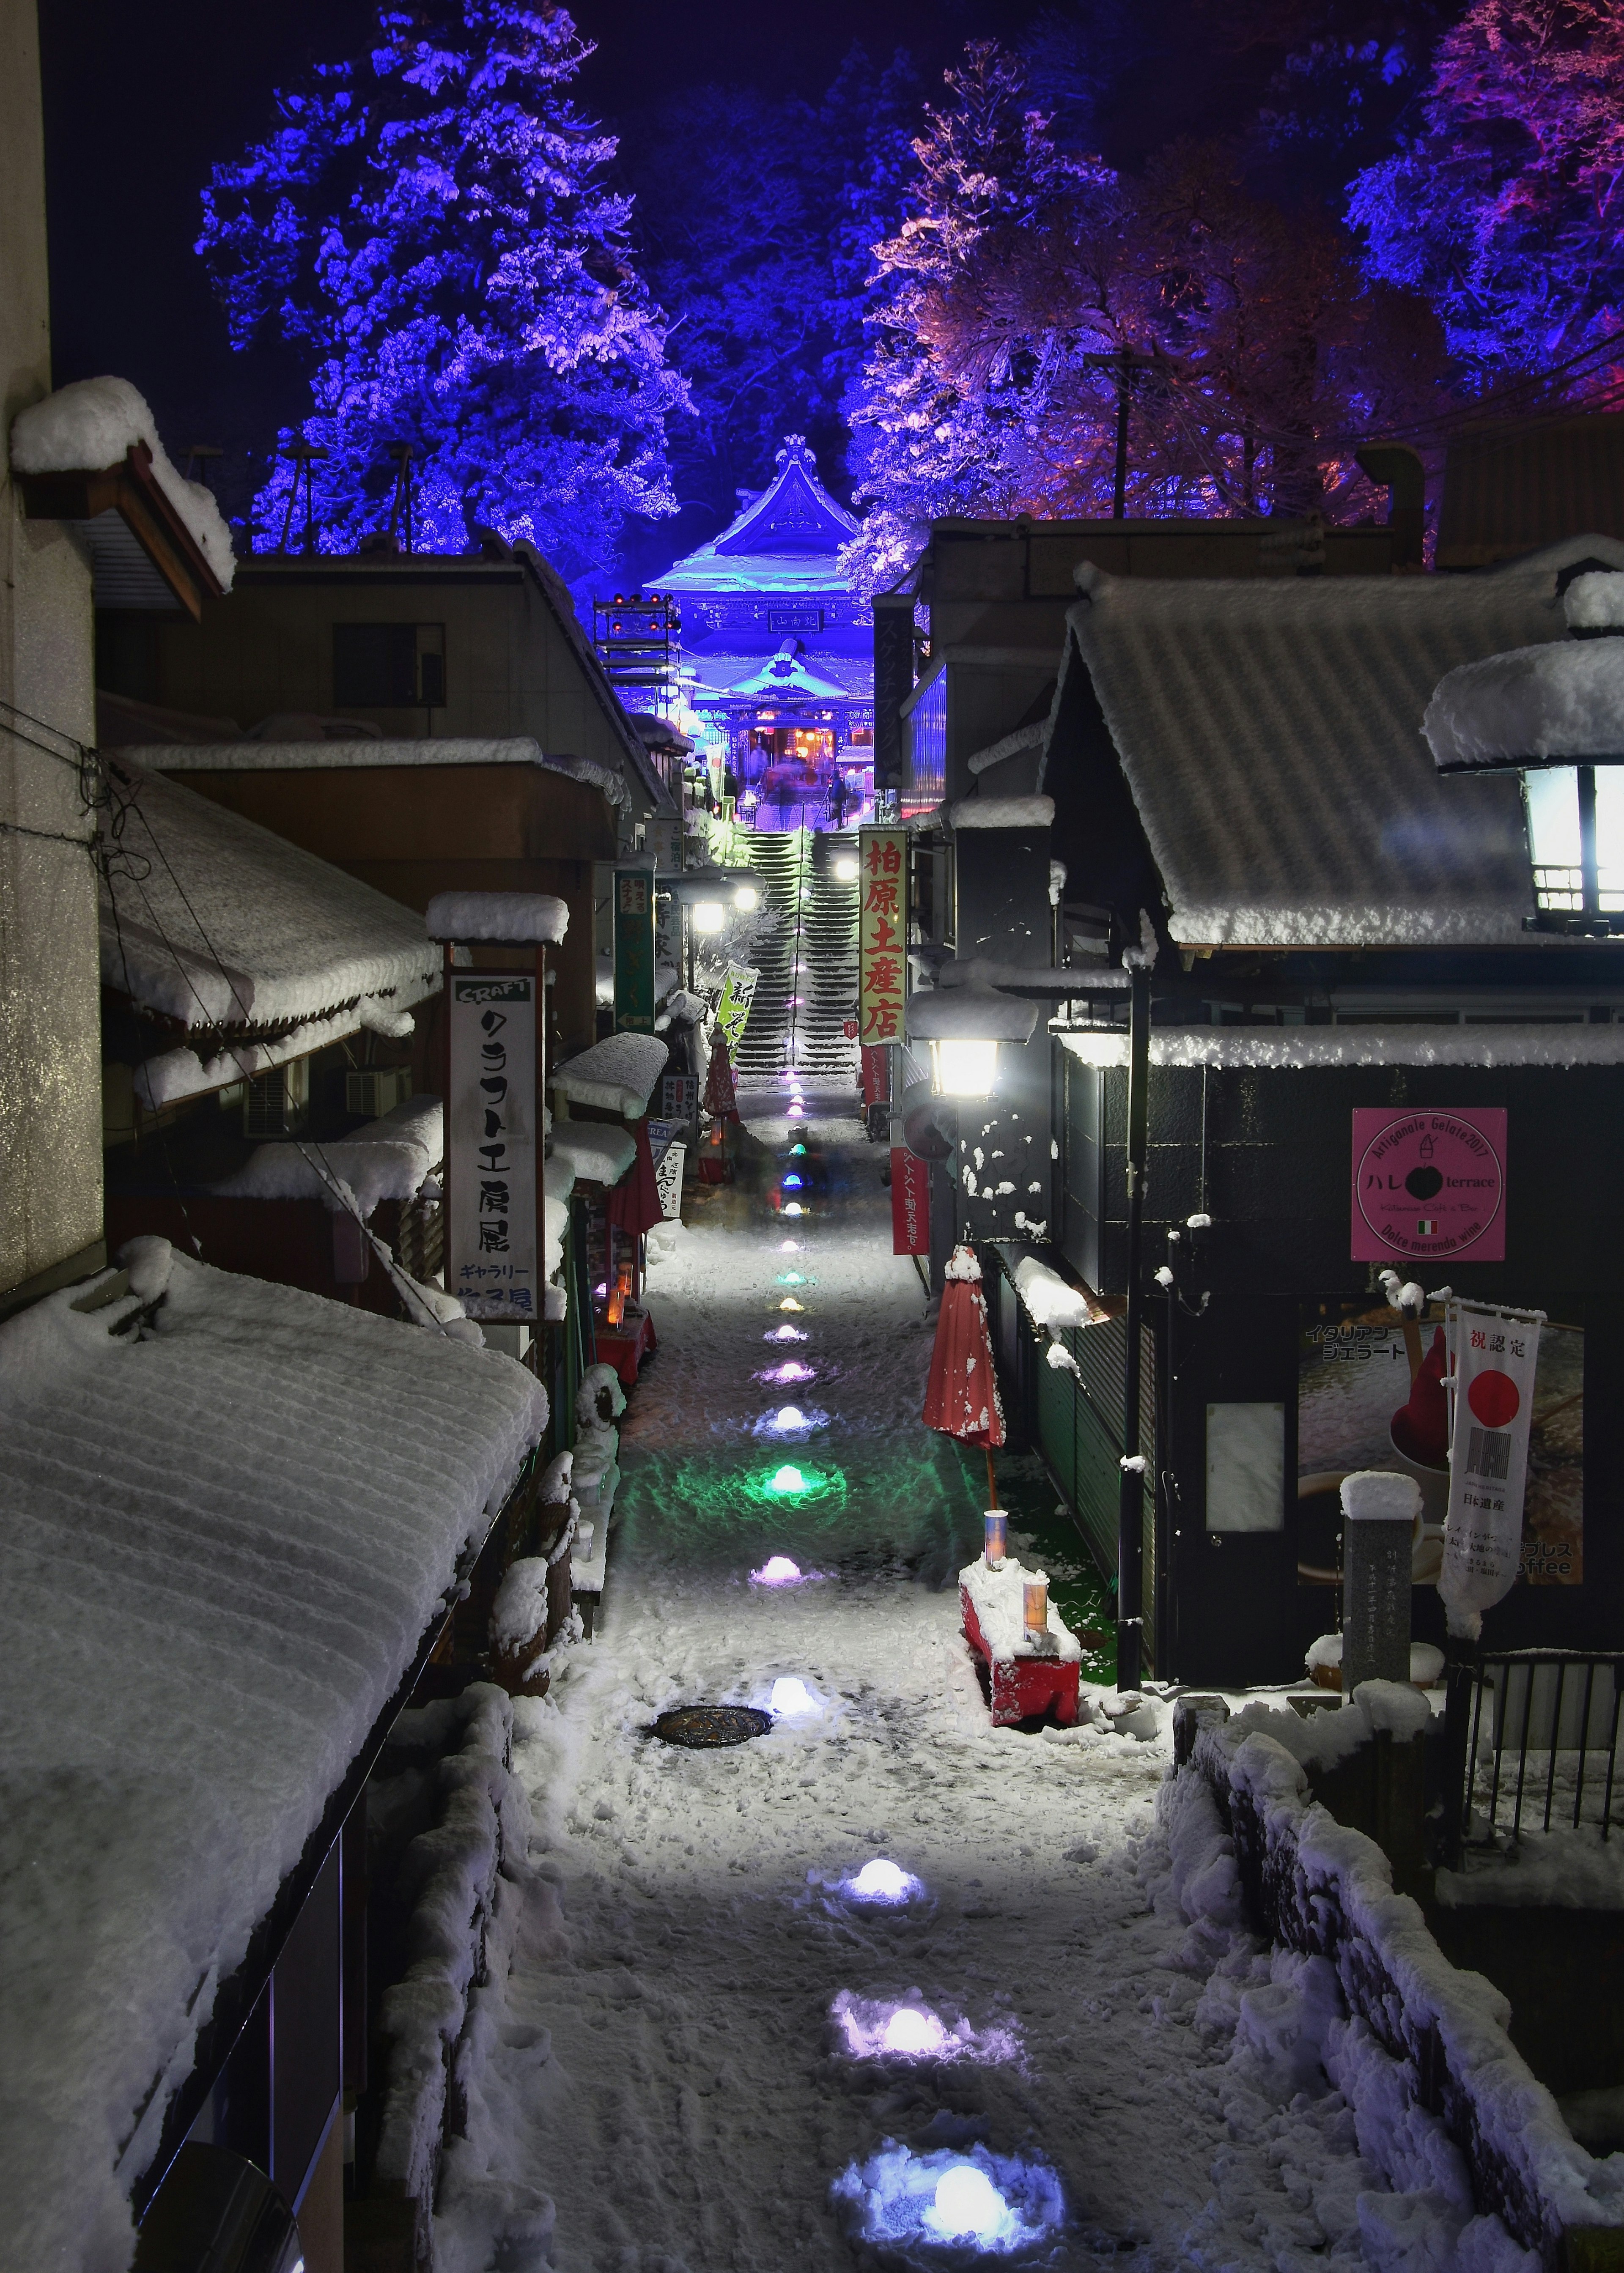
[
  {"x": 1429, "y": 1184},
  {"x": 493, "y": 1266}
]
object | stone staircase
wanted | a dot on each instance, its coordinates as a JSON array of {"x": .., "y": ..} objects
[{"x": 807, "y": 986}]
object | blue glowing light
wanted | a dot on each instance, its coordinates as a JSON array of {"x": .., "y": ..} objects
[
  {"x": 881, "y": 1881},
  {"x": 792, "y": 1183},
  {"x": 992, "y": 2205}
]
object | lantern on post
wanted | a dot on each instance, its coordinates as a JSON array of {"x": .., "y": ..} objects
[
  {"x": 964, "y": 1026},
  {"x": 1554, "y": 714}
]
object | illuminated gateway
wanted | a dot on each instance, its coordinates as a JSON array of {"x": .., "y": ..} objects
[{"x": 781, "y": 653}]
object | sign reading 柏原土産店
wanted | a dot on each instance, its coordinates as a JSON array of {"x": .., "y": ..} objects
[
  {"x": 1429, "y": 1184},
  {"x": 881, "y": 934},
  {"x": 492, "y": 1261}
]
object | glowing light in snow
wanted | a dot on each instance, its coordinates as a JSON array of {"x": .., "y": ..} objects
[
  {"x": 786, "y": 1480},
  {"x": 778, "y": 1570},
  {"x": 794, "y": 1207},
  {"x": 790, "y": 1279},
  {"x": 787, "y": 1334},
  {"x": 792, "y": 1183},
  {"x": 789, "y": 1418},
  {"x": 789, "y": 1303},
  {"x": 992, "y": 2205},
  {"x": 792, "y": 1369},
  {"x": 792, "y": 1247},
  {"x": 795, "y": 1148},
  {"x": 886, "y": 2031},
  {"x": 845, "y": 869},
  {"x": 880, "y": 1881},
  {"x": 968, "y": 2205},
  {"x": 796, "y": 1113},
  {"x": 791, "y": 1697},
  {"x": 909, "y": 2030}
]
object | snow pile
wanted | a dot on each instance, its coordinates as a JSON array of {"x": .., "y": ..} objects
[
  {"x": 969, "y": 1013},
  {"x": 1426, "y": 1659},
  {"x": 1537, "y": 705},
  {"x": 257, "y": 757},
  {"x": 588, "y": 1152},
  {"x": 599, "y": 1402},
  {"x": 368, "y": 1170},
  {"x": 615, "y": 1074},
  {"x": 998, "y": 1599},
  {"x": 1002, "y": 812},
  {"x": 233, "y": 925},
  {"x": 95, "y": 424},
  {"x": 1595, "y": 602},
  {"x": 1048, "y": 1299},
  {"x": 510, "y": 918},
  {"x": 1310, "y": 1048},
  {"x": 1378, "y": 1496},
  {"x": 227, "y": 1532}
]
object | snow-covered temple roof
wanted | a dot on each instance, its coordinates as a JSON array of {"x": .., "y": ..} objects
[
  {"x": 785, "y": 540},
  {"x": 224, "y": 1534},
  {"x": 225, "y": 928},
  {"x": 1269, "y": 731}
]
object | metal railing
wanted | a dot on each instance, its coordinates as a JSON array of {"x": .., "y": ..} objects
[{"x": 1537, "y": 1736}]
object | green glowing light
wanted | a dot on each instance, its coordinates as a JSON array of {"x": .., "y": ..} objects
[
  {"x": 790, "y": 1278},
  {"x": 796, "y": 1148},
  {"x": 786, "y": 1480}
]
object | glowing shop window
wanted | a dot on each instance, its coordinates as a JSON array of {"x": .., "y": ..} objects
[{"x": 1551, "y": 796}]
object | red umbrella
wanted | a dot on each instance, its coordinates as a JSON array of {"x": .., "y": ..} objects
[
  {"x": 634, "y": 1203},
  {"x": 961, "y": 1394},
  {"x": 721, "y": 1099}
]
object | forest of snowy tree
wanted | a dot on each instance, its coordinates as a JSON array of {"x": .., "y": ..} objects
[{"x": 1397, "y": 214}]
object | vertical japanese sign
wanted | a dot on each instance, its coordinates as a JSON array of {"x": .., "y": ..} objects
[
  {"x": 1495, "y": 1355},
  {"x": 910, "y": 1203},
  {"x": 633, "y": 951},
  {"x": 733, "y": 1010},
  {"x": 882, "y": 935},
  {"x": 493, "y": 1263}
]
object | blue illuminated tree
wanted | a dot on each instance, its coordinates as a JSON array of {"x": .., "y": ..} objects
[
  {"x": 1507, "y": 207},
  {"x": 432, "y": 225}
]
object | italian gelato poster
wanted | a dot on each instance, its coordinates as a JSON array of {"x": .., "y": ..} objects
[{"x": 1370, "y": 1394}]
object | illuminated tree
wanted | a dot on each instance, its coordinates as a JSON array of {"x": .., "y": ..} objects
[
  {"x": 432, "y": 225},
  {"x": 1507, "y": 207}
]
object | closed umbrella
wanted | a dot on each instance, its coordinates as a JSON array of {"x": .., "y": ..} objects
[
  {"x": 634, "y": 1205},
  {"x": 961, "y": 1393}
]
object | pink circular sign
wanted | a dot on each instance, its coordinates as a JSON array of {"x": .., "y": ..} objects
[{"x": 1429, "y": 1184}]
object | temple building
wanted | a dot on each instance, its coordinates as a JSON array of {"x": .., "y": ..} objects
[{"x": 777, "y": 657}]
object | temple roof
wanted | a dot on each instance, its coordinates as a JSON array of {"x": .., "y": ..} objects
[{"x": 786, "y": 539}]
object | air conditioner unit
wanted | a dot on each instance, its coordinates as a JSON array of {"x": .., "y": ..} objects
[
  {"x": 377, "y": 1090},
  {"x": 277, "y": 1104}
]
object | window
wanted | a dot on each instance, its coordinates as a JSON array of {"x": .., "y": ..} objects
[
  {"x": 388, "y": 666},
  {"x": 1245, "y": 1468}
]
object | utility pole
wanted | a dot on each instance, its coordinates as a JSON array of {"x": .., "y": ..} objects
[{"x": 1125, "y": 362}]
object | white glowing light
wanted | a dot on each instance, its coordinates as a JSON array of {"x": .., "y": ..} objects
[
  {"x": 846, "y": 871},
  {"x": 790, "y": 1696},
  {"x": 966, "y": 1068},
  {"x": 778, "y": 1570},
  {"x": 968, "y": 2205},
  {"x": 911, "y": 2032},
  {"x": 792, "y": 1247},
  {"x": 709, "y": 917},
  {"x": 786, "y": 1334},
  {"x": 792, "y": 1369},
  {"x": 787, "y": 1480},
  {"x": 796, "y": 1113},
  {"x": 794, "y": 1207},
  {"x": 880, "y": 1881},
  {"x": 747, "y": 899},
  {"x": 789, "y": 1416}
]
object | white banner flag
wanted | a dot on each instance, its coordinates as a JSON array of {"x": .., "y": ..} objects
[
  {"x": 492, "y": 1263},
  {"x": 1495, "y": 1353}
]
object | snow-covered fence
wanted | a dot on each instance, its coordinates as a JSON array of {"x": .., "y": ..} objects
[
  {"x": 465, "y": 1911},
  {"x": 1433, "y": 2038}
]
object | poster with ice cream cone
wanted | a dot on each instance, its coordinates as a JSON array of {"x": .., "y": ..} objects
[{"x": 1371, "y": 1395}]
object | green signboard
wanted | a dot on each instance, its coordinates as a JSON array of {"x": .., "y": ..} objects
[{"x": 633, "y": 951}]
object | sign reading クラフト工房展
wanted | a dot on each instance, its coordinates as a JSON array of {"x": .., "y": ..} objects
[
  {"x": 733, "y": 1010},
  {"x": 910, "y": 1203},
  {"x": 492, "y": 1260},
  {"x": 881, "y": 934},
  {"x": 633, "y": 951},
  {"x": 1494, "y": 1356},
  {"x": 1429, "y": 1184}
]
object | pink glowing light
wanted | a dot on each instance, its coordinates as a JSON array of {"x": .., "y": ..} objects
[
  {"x": 779, "y": 1570},
  {"x": 787, "y": 1334},
  {"x": 875, "y": 2029},
  {"x": 792, "y": 1369}
]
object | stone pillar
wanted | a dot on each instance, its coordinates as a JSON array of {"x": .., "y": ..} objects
[{"x": 1379, "y": 1519}]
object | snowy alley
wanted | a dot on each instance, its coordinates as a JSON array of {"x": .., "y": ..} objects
[{"x": 701, "y": 2035}]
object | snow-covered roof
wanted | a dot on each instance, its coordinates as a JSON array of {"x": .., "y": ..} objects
[
  {"x": 1311, "y": 1048},
  {"x": 588, "y": 1152},
  {"x": 1558, "y": 702},
  {"x": 1002, "y": 812},
  {"x": 1269, "y": 730},
  {"x": 222, "y": 1539},
  {"x": 95, "y": 424},
  {"x": 388, "y": 1159},
  {"x": 969, "y": 1014},
  {"x": 537, "y": 917},
  {"x": 218, "y": 924},
  {"x": 785, "y": 539},
  {"x": 617, "y": 1075},
  {"x": 251, "y": 757}
]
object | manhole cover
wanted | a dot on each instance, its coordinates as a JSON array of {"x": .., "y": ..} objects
[{"x": 702, "y": 1726}]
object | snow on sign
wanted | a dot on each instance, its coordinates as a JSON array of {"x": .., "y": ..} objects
[
  {"x": 1429, "y": 1184},
  {"x": 493, "y": 1266}
]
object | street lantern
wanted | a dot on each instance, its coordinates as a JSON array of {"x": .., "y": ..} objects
[
  {"x": 709, "y": 917},
  {"x": 1554, "y": 714},
  {"x": 964, "y": 1026}
]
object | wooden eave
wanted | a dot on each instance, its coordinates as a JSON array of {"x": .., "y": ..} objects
[{"x": 130, "y": 490}]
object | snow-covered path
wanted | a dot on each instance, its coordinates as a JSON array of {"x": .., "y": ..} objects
[{"x": 671, "y": 2075}]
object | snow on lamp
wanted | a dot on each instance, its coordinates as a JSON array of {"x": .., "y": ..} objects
[
  {"x": 964, "y": 1026},
  {"x": 1553, "y": 713}
]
